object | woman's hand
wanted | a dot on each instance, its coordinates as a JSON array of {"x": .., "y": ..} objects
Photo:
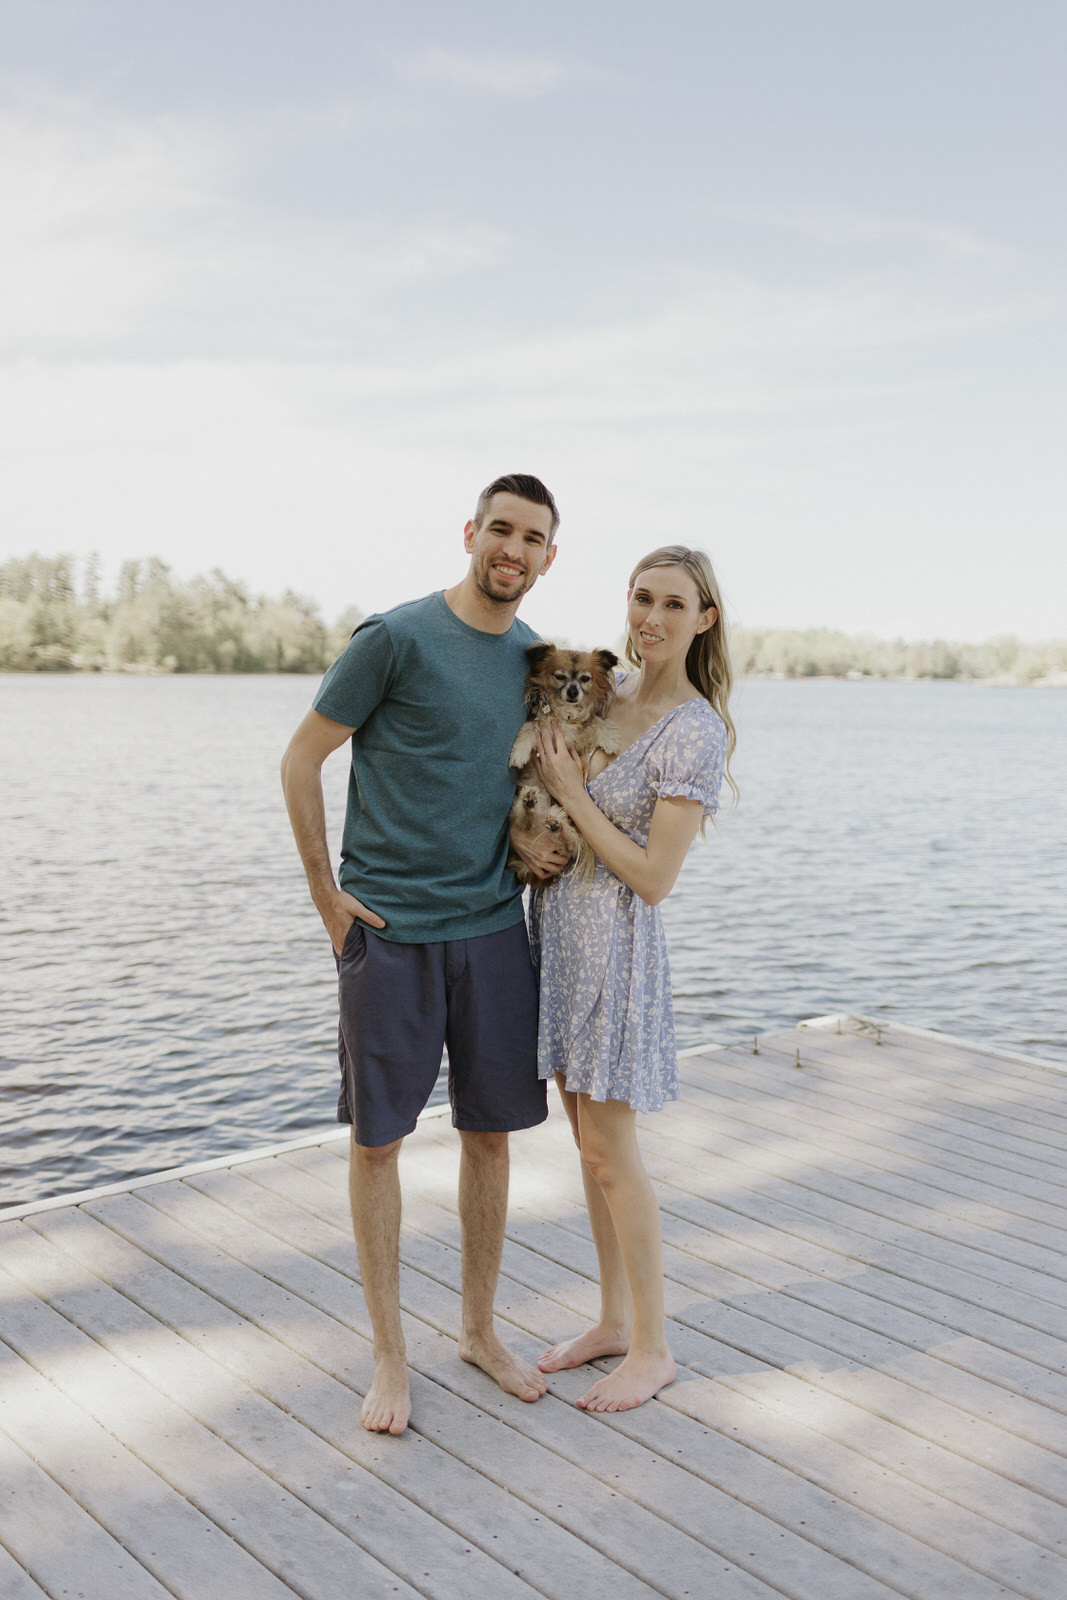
[{"x": 561, "y": 771}]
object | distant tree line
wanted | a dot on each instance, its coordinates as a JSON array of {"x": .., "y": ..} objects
[
  {"x": 55, "y": 619},
  {"x": 52, "y": 621},
  {"x": 817, "y": 653}
]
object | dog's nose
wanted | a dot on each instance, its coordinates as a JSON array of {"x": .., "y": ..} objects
[{"x": 572, "y": 692}]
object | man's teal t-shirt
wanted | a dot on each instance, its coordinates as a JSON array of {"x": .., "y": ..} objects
[{"x": 436, "y": 706}]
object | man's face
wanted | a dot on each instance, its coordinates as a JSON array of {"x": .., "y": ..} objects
[{"x": 511, "y": 548}]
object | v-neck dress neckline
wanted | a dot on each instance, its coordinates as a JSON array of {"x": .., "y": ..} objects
[{"x": 695, "y": 699}]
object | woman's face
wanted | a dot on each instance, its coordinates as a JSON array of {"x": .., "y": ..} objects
[{"x": 664, "y": 615}]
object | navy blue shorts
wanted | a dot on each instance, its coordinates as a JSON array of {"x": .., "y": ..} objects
[{"x": 401, "y": 1004}]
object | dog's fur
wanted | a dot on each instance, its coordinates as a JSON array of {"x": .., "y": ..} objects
[{"x": 572, "y": 690}]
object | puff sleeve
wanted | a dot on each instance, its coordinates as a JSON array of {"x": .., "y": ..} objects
[{"x": 687, "y": 757}]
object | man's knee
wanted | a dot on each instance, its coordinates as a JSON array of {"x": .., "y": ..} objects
[
  {"x": 484, "y": 1148},
  {"x": 374, "y": 1157}
]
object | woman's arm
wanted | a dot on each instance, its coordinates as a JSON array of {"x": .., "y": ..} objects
[{"x": 651, "y": 871}]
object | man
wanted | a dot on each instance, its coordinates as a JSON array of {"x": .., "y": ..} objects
[{"x": 427, "y": 923}]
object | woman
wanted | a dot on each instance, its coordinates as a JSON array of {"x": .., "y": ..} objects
[{"x": 607, "y": 1029}]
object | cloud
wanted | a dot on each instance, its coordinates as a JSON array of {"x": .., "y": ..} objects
[
  {"x": 161, "y": 236},
  {"x": 219, "y": 356},
  {"x": 90, "y": 210},
  {"x": 844, "y": 226},
  {"x": 805, "y": 476},
  {"x": 511, "y": 76},
  {"x": 156, "y": 235}
]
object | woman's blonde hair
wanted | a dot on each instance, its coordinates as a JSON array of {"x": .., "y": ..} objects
[{"x": 707, "y": 663}]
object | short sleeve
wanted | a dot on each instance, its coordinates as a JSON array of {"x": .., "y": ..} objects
[
  {"x": 686, "y": 760},
  {"x": 360, "y": 677}
]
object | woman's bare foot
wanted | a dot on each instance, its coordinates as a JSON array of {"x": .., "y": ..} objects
[
  {"x": 603, "y": 1340},
  {"x": 635, "y": 1380},
  {"x": 387, "y": 1406},
  {"x": 514, "y": 1376}
]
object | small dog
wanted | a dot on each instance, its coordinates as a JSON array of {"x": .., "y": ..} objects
[
  {"x": 534, "y": 811},
  {"x": 573, "y": 691}
]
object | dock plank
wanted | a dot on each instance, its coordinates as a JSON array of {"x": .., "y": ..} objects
[
  {"x": 988, "y": 1097},
  {"x": 941, "y": 1573},
  {"x": 768, "y": 1254},
  {"x": 304, "y": 1361},
  {"x": 155, "y": 1523},
  {"x": 744, "y": 1088},
  {"x": 140, "y": 1380},
  {"x": 914, "y": 1462},
  {"x": 15, "y": 1581},
  {"x": 567, "y": 1432},
  {"x": 867, "y": 1291},
  {"x": 881, "y": 1143},
  {"x": 53, "y": 1543},
  {"x": 937, "y": 1401},
  {"x": 272, "y": 1428},
  {"x": 850, "y": 1224},
  {"x": 533, "y": 1466},
  {"x": 808, "y": 1177}
]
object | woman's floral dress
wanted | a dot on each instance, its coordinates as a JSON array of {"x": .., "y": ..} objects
[{"x": 606, "y": 1016}]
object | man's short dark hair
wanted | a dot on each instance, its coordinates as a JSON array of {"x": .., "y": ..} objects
[{"x": 523, "y": 485}]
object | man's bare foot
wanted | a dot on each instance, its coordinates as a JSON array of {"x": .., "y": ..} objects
[
  {"x": 603, "y": 1340},
  {"x": 387, "y": 1405},
  {"x": 514, "y": 1376},
  {"x": 635, "y": 1380}
]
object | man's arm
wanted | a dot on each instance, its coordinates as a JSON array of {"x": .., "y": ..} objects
[
  {"x": 544, "y": 859},
  {"x": 315, "y": 739}
]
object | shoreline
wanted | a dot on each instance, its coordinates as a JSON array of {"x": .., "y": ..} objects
[{"x": 1055, "y": 680}]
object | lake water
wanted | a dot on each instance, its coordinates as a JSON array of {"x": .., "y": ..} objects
[{"x": 168, "y": 990}]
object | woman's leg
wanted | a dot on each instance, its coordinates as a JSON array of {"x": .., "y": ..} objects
[
  {"x": 611, "y": 1336},
  {"x": 607, "y": 1135}
]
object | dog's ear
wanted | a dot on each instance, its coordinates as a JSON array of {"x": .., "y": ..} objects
[
  {"x": 536, "y": 653},
  {"x": 604, "y": 689}
]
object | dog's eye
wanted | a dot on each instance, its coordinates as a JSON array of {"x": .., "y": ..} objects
[
  {"x": 560, "y": 677},
  {"x": 586, "y": 677}
]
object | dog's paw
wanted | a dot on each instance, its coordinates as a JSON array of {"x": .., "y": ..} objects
[{"x": 524, "y": 746}]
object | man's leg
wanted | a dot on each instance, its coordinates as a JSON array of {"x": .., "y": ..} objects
[
  {"x": 374, "y": 1193},
  {"x": 392, "y": 1018},
  {"x": 492, "y": 1051},
  {"x": 483, "y": 1205}
]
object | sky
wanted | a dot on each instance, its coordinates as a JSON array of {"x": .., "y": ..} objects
[{"x": 283, "y": 285}]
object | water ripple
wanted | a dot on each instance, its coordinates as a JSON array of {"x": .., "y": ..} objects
[{"x": 169, "y": 991}]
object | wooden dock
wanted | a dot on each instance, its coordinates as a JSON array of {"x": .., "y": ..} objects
[{"x": 866, "y": 1276}]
